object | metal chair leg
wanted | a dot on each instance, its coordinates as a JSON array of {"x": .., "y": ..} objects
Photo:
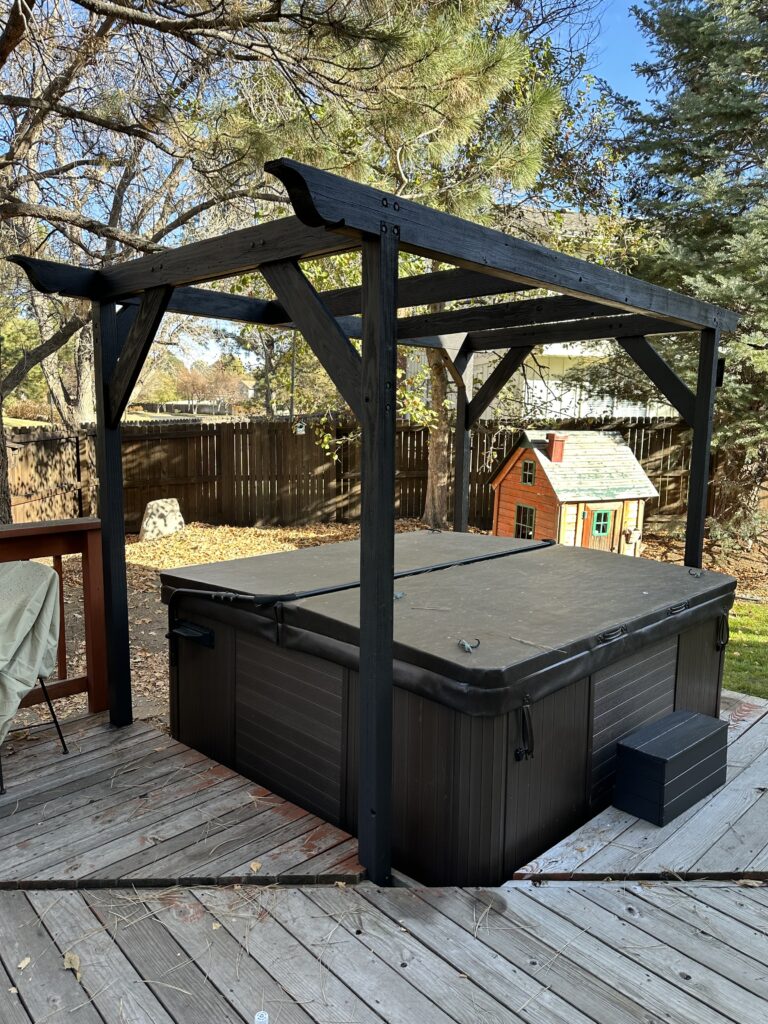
[{"x": 53, "y": 716}]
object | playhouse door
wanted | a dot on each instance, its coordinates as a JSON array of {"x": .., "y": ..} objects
[{"x": 601, "y": 527}]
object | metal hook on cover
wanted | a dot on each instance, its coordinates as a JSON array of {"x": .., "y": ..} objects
[{"x": 469, "y": 645}]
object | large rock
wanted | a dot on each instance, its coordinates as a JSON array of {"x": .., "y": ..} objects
[{"x": 161, "y": 518}]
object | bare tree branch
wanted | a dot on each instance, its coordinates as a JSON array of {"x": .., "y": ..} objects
[
  {"x": 56, "y": 215},
  {"x": 15, "y": 27}
]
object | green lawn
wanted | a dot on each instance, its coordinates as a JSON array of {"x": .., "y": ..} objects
[
  {"x": 14, "y": 421},
  {"x": 746, "y": 657}
]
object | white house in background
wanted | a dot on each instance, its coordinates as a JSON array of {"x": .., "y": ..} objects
[{"x": 540, "y": 390}]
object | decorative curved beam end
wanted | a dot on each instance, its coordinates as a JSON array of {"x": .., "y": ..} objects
[
  {"x": 301, "y": 183},
  {"x": 58, "y": 278}
]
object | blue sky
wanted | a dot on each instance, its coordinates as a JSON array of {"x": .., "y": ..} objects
[{"x": 619, "y": 46}]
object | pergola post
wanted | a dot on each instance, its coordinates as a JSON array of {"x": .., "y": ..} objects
[
  {"x": 700, "y": 450},
  {"x": 109, "y": 465},
  {"x": 462, "y": 440},
  {"x": 377, "y": 552}
]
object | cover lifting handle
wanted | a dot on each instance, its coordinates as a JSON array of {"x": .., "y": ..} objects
[
  {"x": 723, "y": 633},
  {"x": 526, "y": 728}
]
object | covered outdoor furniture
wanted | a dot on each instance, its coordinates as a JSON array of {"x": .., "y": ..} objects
[{"x": 29, "y": 636}]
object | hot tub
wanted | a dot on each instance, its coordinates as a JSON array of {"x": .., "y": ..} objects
[{"x": 518, "y": 667}]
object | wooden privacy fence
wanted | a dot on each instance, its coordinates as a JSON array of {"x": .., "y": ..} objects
[{"x": 257, "y": 472}]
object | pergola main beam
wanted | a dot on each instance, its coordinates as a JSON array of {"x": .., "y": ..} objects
[
  {"x": 419, "y": 331},
  {"x": 321, "y": 198},
  {"x": 51, "y": 277}
]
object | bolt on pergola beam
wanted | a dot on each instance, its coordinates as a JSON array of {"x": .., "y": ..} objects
[{"x": 323, "y": 199}]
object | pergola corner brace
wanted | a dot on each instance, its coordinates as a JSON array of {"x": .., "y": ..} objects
[
  {"x": 134, "y": 349},
  {"x": 322, "y": 331},
  {"x": 658, "y": 370}
]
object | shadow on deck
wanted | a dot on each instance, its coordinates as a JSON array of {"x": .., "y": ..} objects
[{"x": 133, "y": 806}]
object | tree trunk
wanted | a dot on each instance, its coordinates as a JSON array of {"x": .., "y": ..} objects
[
  {"x": 86, "y": 387},
  {"x": 269, "y": 352},
  {"x": 5, "y": 486},
  {"x": 436, "y": 502}
]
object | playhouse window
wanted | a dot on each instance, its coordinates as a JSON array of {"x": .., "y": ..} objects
[
  {"x": 525, "y": 520},
  {"x": 601, "y": 524},
  {"x": 529, "y": 471}
]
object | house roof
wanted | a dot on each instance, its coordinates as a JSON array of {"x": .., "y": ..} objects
[{"x": 597, "y": 465}]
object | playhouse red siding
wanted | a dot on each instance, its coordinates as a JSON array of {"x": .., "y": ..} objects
[{"x": 511, "y": 492}]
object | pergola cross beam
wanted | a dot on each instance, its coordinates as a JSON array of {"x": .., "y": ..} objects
[{"x": 323, "y": 199}]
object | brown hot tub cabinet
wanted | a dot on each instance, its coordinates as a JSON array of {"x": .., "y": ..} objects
[{"x": 501, "y": 748}]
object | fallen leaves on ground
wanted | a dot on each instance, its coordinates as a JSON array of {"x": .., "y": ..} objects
[
  {"x": 749, "y": 567},
  {"x": 201, "y": 542},
  {"x": 72, "y": 963}
]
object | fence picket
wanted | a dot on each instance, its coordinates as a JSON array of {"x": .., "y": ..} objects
[{"x": 263, "y": 472}]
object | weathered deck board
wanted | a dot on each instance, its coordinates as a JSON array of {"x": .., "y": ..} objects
[
  {"x": 597, "y": 952},
  {"x": 723, "y": 836},
  {"x": 134, "y": 806}
]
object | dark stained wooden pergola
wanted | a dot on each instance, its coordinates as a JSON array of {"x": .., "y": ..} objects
[{"x": 334, "y": 215}]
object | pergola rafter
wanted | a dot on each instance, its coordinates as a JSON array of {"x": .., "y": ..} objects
[{"x": 333, "y": 216}]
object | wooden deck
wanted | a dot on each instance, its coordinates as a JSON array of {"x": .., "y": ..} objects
[
  {"x": 724, "y": 836},
  {"x": 581, "y": 953},
  {"x": 132, "y": 806},
  {"x": 122, "y": 870}
]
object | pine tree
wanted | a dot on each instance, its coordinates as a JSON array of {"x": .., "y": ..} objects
[{"x": 701, "y": 165}]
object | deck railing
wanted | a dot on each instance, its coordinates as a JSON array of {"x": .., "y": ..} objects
[{"x": 54, "y": 539}]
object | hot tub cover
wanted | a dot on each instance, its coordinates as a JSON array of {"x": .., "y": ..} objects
[{"x": 545, "y": 615}]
